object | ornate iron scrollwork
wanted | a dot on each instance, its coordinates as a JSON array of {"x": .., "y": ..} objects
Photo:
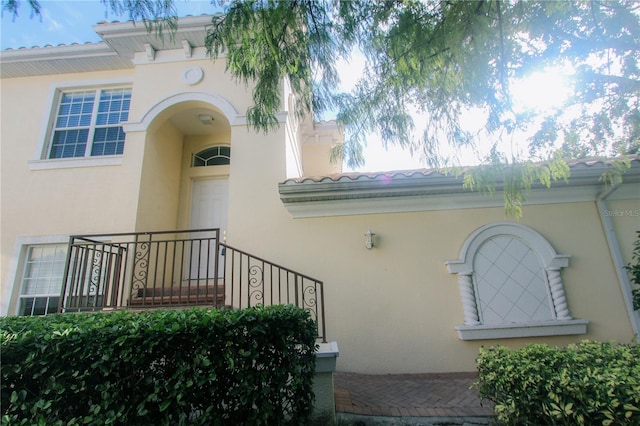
[
  {"x": 140, "y": 267},
  {"x": 256, "y": 288},
  {"x": 310, "y": 300},
  {"x": 95, "y": 275}
]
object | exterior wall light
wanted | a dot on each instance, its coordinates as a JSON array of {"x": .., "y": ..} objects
[
  {"x": 206, "y": 119},
  {"x": 368, "y": 239}
]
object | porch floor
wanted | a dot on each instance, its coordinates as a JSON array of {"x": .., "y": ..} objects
[{"x": 409, "y": 395}]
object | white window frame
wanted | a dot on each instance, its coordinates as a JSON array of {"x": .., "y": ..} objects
[
  {"x": 10, "y": 301},
  {"x": 196, "y": 155},
  {"x": 473, "y": 329},
  {"x": 40, "y": 159},
  {"x": 91, "y": 127},
  {"x": 51, "y": 298}
]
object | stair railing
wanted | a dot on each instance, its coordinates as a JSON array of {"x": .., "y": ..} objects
[{"x": 164, "y": 269}]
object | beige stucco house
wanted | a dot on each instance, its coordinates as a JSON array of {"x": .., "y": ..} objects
[{"x": 411, "y": 273}]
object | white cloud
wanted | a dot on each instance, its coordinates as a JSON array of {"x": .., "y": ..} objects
[
  {"x": 350, "y": 70},
  {"x": 51, "y": 23}
]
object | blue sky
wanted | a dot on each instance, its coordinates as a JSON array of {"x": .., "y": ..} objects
[{"x": 70, "y": 21}]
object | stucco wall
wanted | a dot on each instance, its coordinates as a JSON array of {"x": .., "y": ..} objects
[
  {"x": 317, "y": 160},
  {"x": 55, "y": 194},
  {"x": 58, "y": 201},
  {"x": 160, "y": 180},
  {"x": 393, "y": 309},
  {"x": 155, "y": 82},
  {"x": 625, "y": 215},
  {"x": 258, "y": 164}
]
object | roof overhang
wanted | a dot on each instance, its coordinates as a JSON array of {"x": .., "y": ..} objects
[
  {"x": 121, "y": 41},
  {"x": 128, "y": 38},
  {"x": 60, "y": 60},
  {"x": 424, "y": 190}
]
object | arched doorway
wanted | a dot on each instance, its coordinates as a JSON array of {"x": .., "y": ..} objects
[
  {"x": 176, "y": 191},
  {"x": 176, "y": 129}
]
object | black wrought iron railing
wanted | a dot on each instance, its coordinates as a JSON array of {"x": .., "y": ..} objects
[
  {"x": 147, "y": 270},
  {"x": 251, "y": 281}
]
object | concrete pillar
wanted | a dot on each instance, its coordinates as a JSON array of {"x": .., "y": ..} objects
[{"x": 325, "y": 409}]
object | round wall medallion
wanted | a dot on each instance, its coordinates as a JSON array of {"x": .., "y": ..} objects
[{"x": 192, "y": 75}]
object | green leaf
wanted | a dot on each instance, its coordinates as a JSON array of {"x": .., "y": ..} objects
[{"x": 165, "y": 405}]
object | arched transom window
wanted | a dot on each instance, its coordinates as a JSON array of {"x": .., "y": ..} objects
[
  {"x": 510, "y": 285},
  {"x": 219, "y": 155}
]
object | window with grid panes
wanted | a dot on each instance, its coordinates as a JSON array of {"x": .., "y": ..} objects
[
  {"x": 42, "y": 279},
  {"x": 219, "y": 155},
  {"x": 88, "y": 123}
]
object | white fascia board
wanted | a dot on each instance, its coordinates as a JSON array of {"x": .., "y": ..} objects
[
  {"x": 399, "y": 204},
  {"x": 132, "y": 28},
  {"x": 347, "y": 187},
  {"x": 626, "y": 192},
  {"x": 48, "y": 53}
]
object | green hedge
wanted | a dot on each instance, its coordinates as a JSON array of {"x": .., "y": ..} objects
[
  {"x": 634, "y": 272},
  {"x": 197, "y": 366},
  {"x": 590, "y": 383}
]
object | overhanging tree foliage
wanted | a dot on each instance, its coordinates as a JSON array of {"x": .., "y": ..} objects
[{"x": 432, "y": 64}]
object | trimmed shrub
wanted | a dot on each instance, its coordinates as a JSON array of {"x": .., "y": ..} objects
[
  {"x": 196, "y": 366},
  {"x": 590, "y": 383},
  {"x": 634, "y": 273}
]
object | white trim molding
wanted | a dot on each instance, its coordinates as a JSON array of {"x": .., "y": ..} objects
[
  {"x": 212, "y": 99},
  {"x": 555, "y": 317},
  {"x": 507, "y": 331},
  {"x": 66, "y": 163}
]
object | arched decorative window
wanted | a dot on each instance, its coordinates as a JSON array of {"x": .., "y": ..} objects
[
  {"x": 510, "y": 285},
  {"x": 219, "y": 155}
]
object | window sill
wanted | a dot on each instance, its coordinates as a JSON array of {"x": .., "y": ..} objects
[
  {"x": 533, "y": 329},
  {"x": 66, "y": 163}
]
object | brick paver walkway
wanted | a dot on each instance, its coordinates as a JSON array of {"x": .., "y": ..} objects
[{"x": 409, "y": 395}]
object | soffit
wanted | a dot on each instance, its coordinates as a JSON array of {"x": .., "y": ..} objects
[
  {"x": 63, "y": 59},
  {"x": 121, "y": 40}
]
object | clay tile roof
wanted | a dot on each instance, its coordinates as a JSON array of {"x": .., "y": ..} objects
[
  {"x": 355, "y": 176},
  {"x": 423, "y": 173}
]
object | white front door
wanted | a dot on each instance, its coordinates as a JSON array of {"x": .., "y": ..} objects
[{"x": 209, "y": 205}]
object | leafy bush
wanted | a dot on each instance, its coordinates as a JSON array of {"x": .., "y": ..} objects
[
  {"x": 589, "y": 383},
  {"x": 196, "y": 366},
  {"x": 634, "y": 272}
]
